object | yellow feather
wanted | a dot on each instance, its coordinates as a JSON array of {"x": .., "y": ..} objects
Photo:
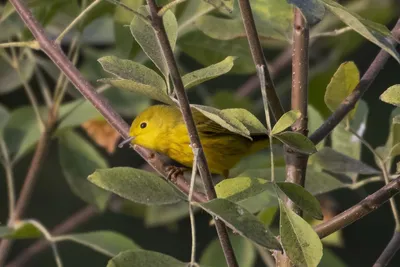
[{"x": 162, "y": 129}]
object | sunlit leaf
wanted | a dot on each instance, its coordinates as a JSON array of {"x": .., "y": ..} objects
[
  {"x": 242, "y": 221},
  {"x": 213, "y": 255},
  {"x": 144, "y": 34},
  {"x": 300, "y": 242},
  {"x": 78, "y": 159},
  {"x": 144, "y": 258},
  {"x": 285, "y": 121},
  {"x": 253, "y": 125},
  {"x": 374, "y": 32},
  {"x": 199, "y": 76},
  {"x": 342, "y": 84},
  {"x": 312, "y": 10},
  {"x": 297, "y": 142},
  {"x": 135, "y": 185},
  {"x": 302, "y": 198},
  {"x": 267, "y": 215},
  {"x": 106, "y": 242},
  {"x": 392, "y": 95}
]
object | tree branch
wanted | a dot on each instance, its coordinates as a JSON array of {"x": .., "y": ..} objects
[
  {"x": 259, "y": 58},
  {"x": 389, "y": 251},
  {"x": 190, "y": 124},
  {"x": 364, "y": 207},
  {"x": 349, "y": 102}
]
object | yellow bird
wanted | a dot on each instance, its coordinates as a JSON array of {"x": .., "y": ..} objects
[{"x": 161, "y": 128}]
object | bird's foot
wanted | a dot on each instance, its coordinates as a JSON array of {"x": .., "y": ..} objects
[{"x": 174, "y": 171}]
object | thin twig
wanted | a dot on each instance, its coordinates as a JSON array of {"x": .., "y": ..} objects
[
  {"x": 259, "y": 58},
  {"x": 333, "y": 33},
  {"x": 76, "y": 20},
  {"x": 31, "y": 44},
  {"x": 191, "y": 215},
  {"x": 364, "y": 207},
  {"x": 168, "y": 6},
  {"x": 389, "y": 251},
  {"x": 180, "y": 92},
  {"x": 349, "y": 102},
  {"x": 8, "y": 168},
  {"x": 118, "y": 3},
  {"x": 68, "y": 225}
]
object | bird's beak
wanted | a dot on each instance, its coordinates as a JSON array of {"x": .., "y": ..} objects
[{"x": 128, "y": 140}]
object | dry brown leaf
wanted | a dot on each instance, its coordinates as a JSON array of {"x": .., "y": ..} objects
[{"x": 102, "y": 133}]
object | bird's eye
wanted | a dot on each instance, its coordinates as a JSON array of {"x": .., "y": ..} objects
[{"x": 143, "y": 125}]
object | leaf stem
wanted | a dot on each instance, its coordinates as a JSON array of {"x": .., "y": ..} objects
[
  {"x": 168, "y": 6},
  {"x": 333, "y": 33},
  {"x": 350, "y": 101},
  {"x": 8, "y": 168},
  {"x": 195, "y": 142},
  {"x": 76, "y": 20},
  {"x": 191, "y": 215}
]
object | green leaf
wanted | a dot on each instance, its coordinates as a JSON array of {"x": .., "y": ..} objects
[
  {"x": 285, "y": 121},
  {"x": 315, "y": 120},
  {"x": 245, "y": 253},
  {"x": 21, "y": 230},
  {"x": 342, "y": 84},
  {"x": 392, "y": 95},
  {"x": 136, "y": 185},
  {"x": 374, "y": 32},
  {"x": 239, "y": 188},
  {"x": 267, "y": 215},
  {"x": 145, "y": 36},
  {"x": 196, "y": 44},
  {"x": 143, "y": 89},
  {"x": 395, "y": 151},
  {"x": 312, "y": 10},
  {"x": 78, "y": 159},
  {"x": 242, "y": 221},
  {"x": 4, "y": 117},
  {"x": 297, "y": 141},
  {"x": 253, "y": 125},
  {"x": 21, "y": 132},
  {"x": 336, "y": 162},
  {"x": 9, "y": 78},
  {"x": 165, "y": 214},
  {"x": 144, "y": 258},
  {"x": 302, "y": 198},
  {"x": 106, "y": 242},
  {"x": 330, "y": 259},
  {"x": 199, "y": 76},
  {"x": 74, "y": 113},
  {"x": 131, "y": 70},
  {"x": 299, "y": 240}
]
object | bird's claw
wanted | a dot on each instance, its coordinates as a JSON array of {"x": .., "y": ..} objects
[{"x": 173, "y": 172}]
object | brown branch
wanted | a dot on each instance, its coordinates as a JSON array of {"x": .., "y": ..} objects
[
  {"x": 364, "y": 207},
  {"x": 68, "y": 225},
  {"x": 390, "y": 250},
  {"x": 30, "y": 180},
  {"x": 296, "y": 163},
  {"x": 259, "y": 58},
  {"x": 190, "y": 124},
  {"x": 349, "y": 103}
]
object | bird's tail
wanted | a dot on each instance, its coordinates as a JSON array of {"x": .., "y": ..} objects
[{"x": 260, "y": 141}]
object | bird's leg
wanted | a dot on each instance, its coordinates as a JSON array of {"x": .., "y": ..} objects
[{"x": 174, "y": 172}]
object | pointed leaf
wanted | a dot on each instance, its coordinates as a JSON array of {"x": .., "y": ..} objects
[
  {"x": 374, "y": 32},
  {"x": 242, "y": 221},
  {"x": 144, "y": 258},
  {"x": 245, "y": 253},
  {"x": 302, "y": 198},
  {"x": 299, "y": 240},
  {"x": 312, "y": 10},
  {"x": 78, "y": 159},
  {"x": 107, "y": 242},
  {"x": 285, "y": 121},
  {"x": 135, "y": 185},
  {"x": 253, "y": 125},
  {"x": 334, "y": 161},
  {"x": 21, "y": 230},
  {"x": 144, "y": 34},
  {"x": 131, "y": 70},
  {"x": 297, "y": 142},
  {"x": 341, "y": 85},
  {"x": 392, "y": 95},
  {"x": 199, "y": 76}
]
